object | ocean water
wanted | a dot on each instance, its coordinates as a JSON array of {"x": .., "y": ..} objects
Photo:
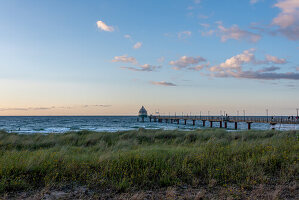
[{"x": 61, "y": 124}]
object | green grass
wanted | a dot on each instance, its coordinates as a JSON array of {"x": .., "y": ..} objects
[{"x": 148, "y": 159}]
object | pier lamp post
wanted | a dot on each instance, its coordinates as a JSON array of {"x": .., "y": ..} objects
[
  {"x": 297, "y": 111},
  {"x": 209, "y": 113},
  {"x": 200, "y": 114},
  {"x": 267, "y": 115},
  {"x": 244, "y": 114}
]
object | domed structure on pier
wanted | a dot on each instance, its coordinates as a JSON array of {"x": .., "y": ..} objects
[{"x": 142, "y": 112}]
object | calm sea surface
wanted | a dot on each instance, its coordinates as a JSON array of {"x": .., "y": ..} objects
[{"x": 61, "y": 124}]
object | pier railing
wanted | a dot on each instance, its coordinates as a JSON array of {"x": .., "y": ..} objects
[{"x": 247, "y": 119}]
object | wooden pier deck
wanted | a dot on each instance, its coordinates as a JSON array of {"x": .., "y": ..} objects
[{"x": 224, "y": 120}]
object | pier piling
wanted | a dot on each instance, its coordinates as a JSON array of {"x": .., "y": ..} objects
[
  {"x": 249, "y": 120},
  {"x": 249, "y": 125}
]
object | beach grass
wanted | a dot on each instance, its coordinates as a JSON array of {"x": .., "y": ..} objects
[{"x": 148, "y": 159}]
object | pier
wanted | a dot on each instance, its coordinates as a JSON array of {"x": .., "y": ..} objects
[{"x": 224, "y": 120}]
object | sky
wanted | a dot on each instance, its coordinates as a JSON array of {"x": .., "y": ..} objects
[{"x": 104, "y": 57}]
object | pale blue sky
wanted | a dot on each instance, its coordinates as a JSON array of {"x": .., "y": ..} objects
[{"x": 75, "y": 57}]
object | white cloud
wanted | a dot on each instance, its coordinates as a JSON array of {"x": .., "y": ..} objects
[
  {"x": 184, "y": 34},
  {"x": 200, "y": 16},
  {"x": 237, "y": 61},
  {"x": 144, "y": 68},
  {"x": 234, "y": 32},
  {"x": 234, "y": 67},
  {"x": 253, "y": 1},
  {"x": 101, "y": 25},
  {"x": 137, "y": 45},
  {"x": 275, "y": 60},
  {"x": 286, "y": 23},
  {"x": 247, "y": 57},
  {"x": 207, "y": 33},
  {"x": 127, "y": 36},
  {"x": 162, "y": 83},
  {"x": 161, "y": 59},
  {"x": 199, "y": 67},
  {"x": 289, "y": 13},
  {"x": 205, "y": 25},
  {"x": 133, "y": 61},
  {"x": 186, "y": 61},
  {"x": 125, "y": 59},
  {"x": 288, "y": 19}
]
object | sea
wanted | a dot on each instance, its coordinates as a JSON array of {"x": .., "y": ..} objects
[{"x": 62, "y": 124}]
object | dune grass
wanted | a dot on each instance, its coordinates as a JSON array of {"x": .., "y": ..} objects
[{"x": 148, "y": 159}]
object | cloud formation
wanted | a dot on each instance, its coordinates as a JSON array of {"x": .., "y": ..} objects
[
  {"x": 137, "y": 45},
  {"x": 184, "y": 34},
  {"x": 269, "y": 69},
  {"x": 51, "y": 108},
  {"x": 205, "y": 25},
  {"x": 162, "y": 83},
  {"x": 246, "y": 57},
  {"x": 275, "y": 60},
  {"x": 161, "y": 59},
  {"x": 101, "y": 25},
  {"x": 237, "y": 61},
  {"x": 125, "y": 59},
  {"x": 144, "y": 68},
  {"x": 137, "y": 66},
  {"x": 234, "y": 67},
  {"x": 261, "y": 76},
  {"x": 26, "y": 109},
  {"x": 199, "y": 67},
  {"x": 288, "y": 19},
  {"x": 288, "y": 14},
  {"x": 207, "y": 33},
  {"x": 186, "y": 61},
  {"x": 254, "y": 1},
  {"x": 234, "y": 32}
]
